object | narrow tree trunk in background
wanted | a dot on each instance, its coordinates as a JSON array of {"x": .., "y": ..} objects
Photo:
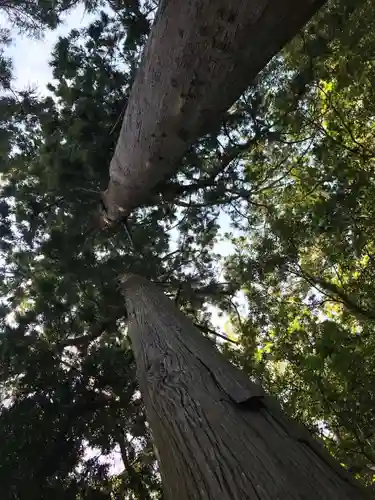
[
  {"x": 219, "y": 437},
  {"x": 199, "y": 59}
]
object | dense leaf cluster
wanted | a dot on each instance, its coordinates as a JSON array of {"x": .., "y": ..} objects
[{"x": 285, "y": 184}]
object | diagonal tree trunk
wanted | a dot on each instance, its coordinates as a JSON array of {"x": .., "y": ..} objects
[
  {"x": 218, "y": 435},
  {"x": 200, "y": 57}
]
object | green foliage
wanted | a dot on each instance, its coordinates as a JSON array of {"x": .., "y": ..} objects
[
  {"x": 67, "y": 380},
  {"x": 290, "y": 167},
  {"x": 305, "y": 261},
  {"x": 33, "y": 16}
]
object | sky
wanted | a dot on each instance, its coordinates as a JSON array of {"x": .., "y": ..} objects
[
  {"x": 30, "y": 57},
  {"x": 31, "y": 70}
]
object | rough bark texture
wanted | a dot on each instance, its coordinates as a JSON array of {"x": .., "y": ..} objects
[
  {"x": 200, "y": 57},
  {"x": 218, "y": 435}
]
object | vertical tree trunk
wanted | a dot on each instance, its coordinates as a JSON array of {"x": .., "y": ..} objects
[
  {"x": 200, "y": 57},
  {"x": 219, "y": 436}
]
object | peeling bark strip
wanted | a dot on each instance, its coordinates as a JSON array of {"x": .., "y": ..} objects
[
  {"x": 218, "y": 435},
  {"x": 200, "y": 57}
]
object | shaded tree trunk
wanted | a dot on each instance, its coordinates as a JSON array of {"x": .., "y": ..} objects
[
  {"x": 200, "y": 57},
  {"x": 218, "y": 435}
]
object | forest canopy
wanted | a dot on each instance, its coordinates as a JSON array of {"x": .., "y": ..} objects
[{"x": 265, "y": 236}]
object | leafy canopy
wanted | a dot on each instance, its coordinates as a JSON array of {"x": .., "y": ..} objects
[{"x": 285, "y": 181}]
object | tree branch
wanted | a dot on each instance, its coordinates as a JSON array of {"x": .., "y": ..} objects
[{"x": 210, "y": 331}]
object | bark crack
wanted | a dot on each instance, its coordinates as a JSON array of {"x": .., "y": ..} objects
[{"x": 253, "y": 403}]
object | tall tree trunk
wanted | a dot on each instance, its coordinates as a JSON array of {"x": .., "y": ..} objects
[
  {"x": 199, "y": 59},
  {"x": 218, "y": 435}
]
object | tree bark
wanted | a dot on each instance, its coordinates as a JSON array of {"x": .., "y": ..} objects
[
  {"x": 218, "y": 435},
  {"x": 200, "y": 57}
]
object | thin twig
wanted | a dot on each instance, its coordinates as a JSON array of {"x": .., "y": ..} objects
[{"x": 210, "y": 331}]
